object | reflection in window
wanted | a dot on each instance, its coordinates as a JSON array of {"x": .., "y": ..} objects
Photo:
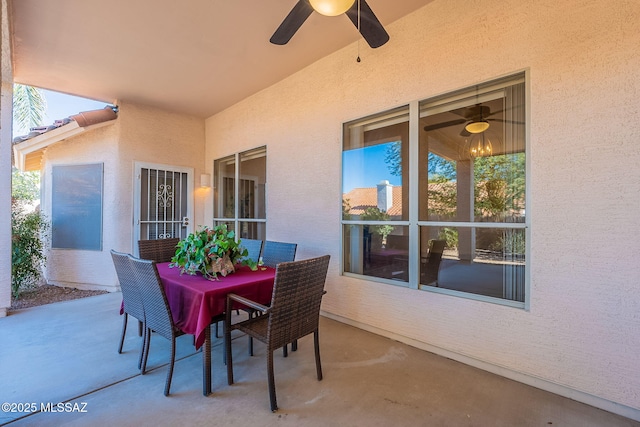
[
  {"x": 467, "y": 210},
  {"x": 377, "y": 251},
  {"x": 485, "y": 261},
  {"x": 374, "y": 193},
  {"x": 243, "y": 206},
  {"x": 224, "y": 195}
]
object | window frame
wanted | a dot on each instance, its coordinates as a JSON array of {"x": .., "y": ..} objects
[
  {"x": 414, "y": 223},
  {"x": 237, "y": 177}
]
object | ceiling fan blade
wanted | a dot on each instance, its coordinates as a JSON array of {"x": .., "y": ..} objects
[
  {"x": 506, "y": 121},
  {"x": 370, "y": 28},
  {"x": 294, "y": 20},
  {"x": 463, "y": 112},
  {"x": 444, "y": 124}
]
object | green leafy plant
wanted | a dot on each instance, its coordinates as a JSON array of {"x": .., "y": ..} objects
[
  {"x": 375, "y": 214},
  {"x": 450, "y": 236},
  {"x": 28, "y": 237},
  {"x": 25, "y": 186},
  {"x": 210, "y": 252}
]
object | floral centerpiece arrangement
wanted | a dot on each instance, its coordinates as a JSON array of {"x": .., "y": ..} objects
[{"x": 210, "y": 252}]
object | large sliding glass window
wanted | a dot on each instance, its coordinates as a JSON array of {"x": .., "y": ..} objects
[
  {"x": 240, "y": 193},
  {"x": 457, "y": 224}
]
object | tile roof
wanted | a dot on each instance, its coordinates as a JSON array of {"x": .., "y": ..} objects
[
  {"x": 360, "y": 199},
  {"x": 84, "y": 118},
  {"x": 28, "y": 149}
]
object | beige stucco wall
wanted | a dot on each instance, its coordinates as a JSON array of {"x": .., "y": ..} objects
[
  {"x": 6, "y": 97},
  {"x": 83, "y": 268},
  {"x": 140, "y": 134},
  {"x": 155, "y": 136},
  {"x": 580, "y": 336}
]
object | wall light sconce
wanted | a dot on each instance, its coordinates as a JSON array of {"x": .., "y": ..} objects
[{"x": 205, "y": 180}]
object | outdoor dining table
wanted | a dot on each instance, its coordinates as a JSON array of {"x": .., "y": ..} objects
[{"x": 195, "y": 301}]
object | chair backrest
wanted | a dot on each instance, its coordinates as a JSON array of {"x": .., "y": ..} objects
[
  {"x": 435, "y": 250},
  {"x": 273, "y": 253},
  {"x": 432, "y": 267},
  {"x": 397, "y": 242},
  {"x": 296, "y": 298},
  {"x": 158, "y": 250},
  {"x": 130, "y": 291},
  {"x": 156, "y": 308},
  {"x": 254, "y": 247}
]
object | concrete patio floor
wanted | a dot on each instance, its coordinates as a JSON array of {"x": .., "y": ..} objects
[{"x": 66, "y": 352}]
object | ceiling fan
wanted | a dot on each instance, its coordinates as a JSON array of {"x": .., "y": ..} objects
[
  {"x": 475, "y": 119},
  {"x": 358, "y": 12}
]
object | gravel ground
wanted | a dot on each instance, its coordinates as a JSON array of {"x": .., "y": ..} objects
[{"x": 47, "y": 294}]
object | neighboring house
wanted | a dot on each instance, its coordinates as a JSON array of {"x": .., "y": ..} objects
[
  {"x": 385, "y": 197},
  {"x": 574, "y": 330}
]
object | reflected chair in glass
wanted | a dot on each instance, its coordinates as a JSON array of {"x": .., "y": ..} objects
[
  {"x": 294, "y": 313},
  {"x": 157, "y": 312},
  {"x": 131, "y": 298},
  {"x": 430, "y": 265},
  {"x": 158, "y": 250}
]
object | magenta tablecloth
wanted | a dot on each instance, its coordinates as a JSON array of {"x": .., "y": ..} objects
[{"x": 194, "y": 300}]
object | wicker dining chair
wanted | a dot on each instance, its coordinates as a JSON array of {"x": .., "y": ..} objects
[
  {"x": 294, "y": 313},
  {"x": 273, "y": 253},
  {"x": 430, "y": 266},
  {"x": 157, "y": 312},
  {"x": 131, "y": 298},
  {"x": 158, "y": 250},
  {"x": 254, "y": 247}
]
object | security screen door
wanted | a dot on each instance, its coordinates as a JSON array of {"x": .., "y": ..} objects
[{"x": 163, "y": 202}]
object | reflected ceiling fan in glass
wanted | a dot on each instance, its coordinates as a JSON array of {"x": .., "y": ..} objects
[
  {"x": 476, "y": 119},
  {"x": 479, "y": 144}
]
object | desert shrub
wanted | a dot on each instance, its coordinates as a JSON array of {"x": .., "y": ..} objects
[{"x": 29, "y": 232}]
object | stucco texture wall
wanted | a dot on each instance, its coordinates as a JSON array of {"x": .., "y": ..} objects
[
  {"x": 84, "y": 268},
  {"x": 581, "y": 331},
  {"x": 139, "y": 134},
  {"x": 161, "y": 137}
]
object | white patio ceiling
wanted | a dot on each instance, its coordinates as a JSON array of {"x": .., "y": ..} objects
[{"x": 196, "y": 57}]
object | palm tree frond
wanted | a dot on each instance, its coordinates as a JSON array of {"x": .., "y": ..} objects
[{"x": 29, "y": 106}]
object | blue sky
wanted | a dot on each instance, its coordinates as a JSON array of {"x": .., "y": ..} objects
[
  {"x": 365, "y": 167},
  {"x": 60, "y": 106}
]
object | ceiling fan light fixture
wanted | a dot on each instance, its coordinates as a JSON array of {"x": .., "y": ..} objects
[
  {"x": 331, "y": 7},
  {"x": 477, "y": 127}
]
